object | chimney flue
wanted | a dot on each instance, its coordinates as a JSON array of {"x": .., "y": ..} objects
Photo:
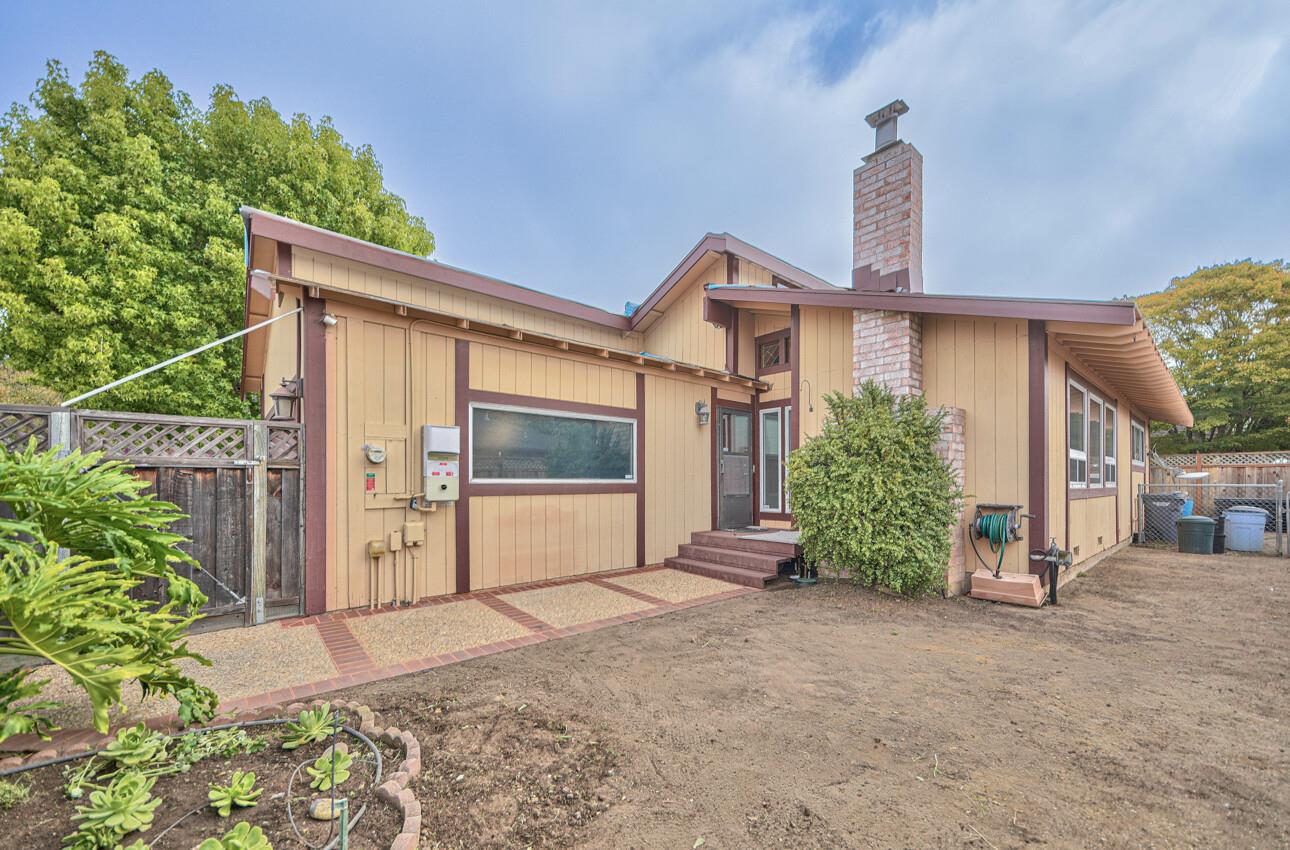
[
  {"x": 888, "y": 206},
  {"x": 884, "y": 123}
]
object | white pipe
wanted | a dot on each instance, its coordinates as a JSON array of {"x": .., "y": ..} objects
[{"x": 166, "y": 363}]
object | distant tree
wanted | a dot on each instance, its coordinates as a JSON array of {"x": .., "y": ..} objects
[
  {"x": 1224, "y": 331},
  {"x": 22, "y": 388},
  {"x": 120, "y": 240}
]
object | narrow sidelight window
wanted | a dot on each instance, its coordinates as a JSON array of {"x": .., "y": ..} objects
[{"x": 771, "y": 471}]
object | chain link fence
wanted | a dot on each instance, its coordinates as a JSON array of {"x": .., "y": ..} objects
[{"x": 1161, "y": 504}]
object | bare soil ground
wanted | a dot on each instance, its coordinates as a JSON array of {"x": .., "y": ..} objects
[{"x": 1148, "y": 709}]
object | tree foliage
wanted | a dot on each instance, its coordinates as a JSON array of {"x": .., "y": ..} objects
[
  {"x": 74, "y": 609},
  {"x": 870, "y": 494},
  {"x": 120, "y": 238},
  {"x": 1224, "y": 331}
]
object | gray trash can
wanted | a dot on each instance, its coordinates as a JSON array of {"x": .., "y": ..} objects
[{"x": 1160, "y": 516}]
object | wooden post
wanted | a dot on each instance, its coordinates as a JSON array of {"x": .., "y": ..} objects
[{"x": 259, "y": 521}]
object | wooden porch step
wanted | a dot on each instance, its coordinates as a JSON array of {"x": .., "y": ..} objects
[
  {"x": 724, "y": 572},
  {"x": 755, "y": 561},
  {"x": 729, "y": 540}
]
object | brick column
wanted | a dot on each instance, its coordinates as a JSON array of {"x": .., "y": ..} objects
[
  {"x": 953, "y": 450},
  {"x": 887, "y": 347}
]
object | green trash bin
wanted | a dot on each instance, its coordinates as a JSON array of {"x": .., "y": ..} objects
[{"x": 1196, "y": 535}]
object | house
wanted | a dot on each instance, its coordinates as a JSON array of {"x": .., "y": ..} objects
[{"x": 593, "y": 441}]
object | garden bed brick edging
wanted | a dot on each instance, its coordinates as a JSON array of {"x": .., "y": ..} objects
[{"x": 392, "y": 792}]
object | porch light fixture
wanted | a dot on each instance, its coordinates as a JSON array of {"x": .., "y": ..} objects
[
  {"x": 285, "y": 399},
  {"x": 702, "y": 412},
  {"x": 329, "y": 320}
]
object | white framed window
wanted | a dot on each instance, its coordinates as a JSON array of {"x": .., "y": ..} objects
[
  {"x": 1095, "y": 435},
  {"x": 1077, "y": 434},
  {"x": 532, "y": 445},
  {"x": 774, "y": 427},
  {"x": 1137, "y": 442},
  {"x": 1111, "y": 448}
]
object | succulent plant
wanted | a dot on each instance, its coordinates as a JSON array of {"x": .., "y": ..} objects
[
  {"x": 241, "y": 837},
  {"x": 240, "y": 792},
  {"x": 312, "y": 725},
  {"x": 135, "y": 747},
  {"x": 330, "y": 769},
  {"x": 126, "y": 805}
]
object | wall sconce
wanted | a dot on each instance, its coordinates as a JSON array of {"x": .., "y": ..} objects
[
  {"x": 810, "y": 404},
  {"x": 702, "y": 412},
  {"x": 284, "y": 400},
  {"x": 329, "y": 320}
]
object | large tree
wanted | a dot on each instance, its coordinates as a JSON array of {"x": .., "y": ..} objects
[
  {"x": 120, "y": 240},
  {"x": 1224, "y": 331}
]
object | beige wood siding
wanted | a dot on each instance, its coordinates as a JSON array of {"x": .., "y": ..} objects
[
  {"x": 824, "y": 353},
  {"x": 680, "y": 333},
  {"x": 678, "y": 463},
  {"x": 281, "y": 360},
  {"x": 751, "y": 274},
  {"x": 327, "y": 270},
  {"x": 502, "y": 369},
  {"x": 518, "y": 539},
  {"x": 980, "y": 365}
]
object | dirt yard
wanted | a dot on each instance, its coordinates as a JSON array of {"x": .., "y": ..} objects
[{"x": 1149, "y": 709}]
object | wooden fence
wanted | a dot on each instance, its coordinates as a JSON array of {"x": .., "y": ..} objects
[
  {"x": 239, "y": 482},
  {"x": 1224, "y": 467}
]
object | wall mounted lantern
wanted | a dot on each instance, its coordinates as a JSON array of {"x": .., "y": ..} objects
[
  {"x": 702, "y": 412},
  {"x": 285, "y": 400}
]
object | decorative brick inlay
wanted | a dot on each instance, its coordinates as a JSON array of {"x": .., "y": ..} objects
[
  {"x": 953, "y": 450},
  {"x": 887, "y": 347},
  {"x": 627, "y": 591},
  {"x": 506, "y": 609},
  {"x": 346, "y": 652},
  {"x": 888, "y": 206}
]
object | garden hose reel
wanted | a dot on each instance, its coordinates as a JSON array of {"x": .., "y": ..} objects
[{"x": 999, "y": 524}]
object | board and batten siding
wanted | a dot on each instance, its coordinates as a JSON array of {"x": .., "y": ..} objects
[
  {"x": 825, "y": 363},
  {"x": 680, "y": 333},
  {"x": 327, "y": 270},
  {"x": 981, "y": 365},
  {"x": 678, "y": 462}
]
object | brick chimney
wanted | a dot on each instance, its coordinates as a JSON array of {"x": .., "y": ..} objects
[
  {"x": 888, "y": 205},
  {"x": 887, "y": 345}
]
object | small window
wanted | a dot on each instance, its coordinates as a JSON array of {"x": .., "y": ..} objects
[
  {"x": 1138, "y": 442},
  {"x": 1111, "y": 449},
  {"x": 532, "y": 445},
  {"x": 773, "y": 352},
  {"x": 1078, "y": 472},
  {"x": 1094, "y": 441}
]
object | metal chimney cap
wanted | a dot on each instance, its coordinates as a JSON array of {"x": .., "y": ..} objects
[{"x": 890, "y": 112}]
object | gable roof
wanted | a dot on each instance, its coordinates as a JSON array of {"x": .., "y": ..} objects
[{"x": 282, "y": 229}]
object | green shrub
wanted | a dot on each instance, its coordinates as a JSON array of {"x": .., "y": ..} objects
[
  {"x": 76, "y": 611},
  {"x": 872, "y": 498}
]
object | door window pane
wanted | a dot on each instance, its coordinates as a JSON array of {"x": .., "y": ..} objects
[{"x": 514, "y": 444}]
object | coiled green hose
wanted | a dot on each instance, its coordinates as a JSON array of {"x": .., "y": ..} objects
[{"x": 994, "y": 528}]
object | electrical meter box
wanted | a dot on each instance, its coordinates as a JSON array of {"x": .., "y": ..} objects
[{"x": 440, "y": 462}]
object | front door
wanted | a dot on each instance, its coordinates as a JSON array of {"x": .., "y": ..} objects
[{"x": 734, "y": 468}]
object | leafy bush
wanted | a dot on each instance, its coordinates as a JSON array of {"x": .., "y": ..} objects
[
  {"x": 871, "y": 496},
  {"x": 240, "y": 791},
  {"x": 76, "y": 611}
]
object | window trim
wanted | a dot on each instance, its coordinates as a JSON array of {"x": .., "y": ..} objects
[
  {"x": 1095, "y": 400},
  {"x": 781, "y": 336},
  {"x": 1083, "y": 489},
  {"x": 1110, "y": 458},
  {"x": 1135, "y": 425},
  {"x": 548, "y": 411},
  {"x": 1071, "y": 452},
  {"x": 762, "y": 414}
]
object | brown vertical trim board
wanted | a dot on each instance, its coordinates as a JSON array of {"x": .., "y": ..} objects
[
  {"x": 640, "y": 469},
  {"x": 315, "y": 454},
  {"x": 795, "y": 370},
  {"x": 714, "y": 422},
  {"x": 1066, "y": 450},
  {"x": 1037, "y": 434},
  {"x": 461, "y": 401}
]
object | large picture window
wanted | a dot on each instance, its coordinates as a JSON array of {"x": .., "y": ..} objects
[{"x": 517, "y": 444}]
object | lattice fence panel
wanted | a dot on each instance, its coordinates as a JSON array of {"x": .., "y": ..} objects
[
  {"x": 1179, "y": 461},
  {"x": 158, "y": 439},
  {"x": 284, "y": 444},
  {"x": 17, "y": 427}
]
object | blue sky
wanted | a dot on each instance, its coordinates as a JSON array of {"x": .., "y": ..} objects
[{"x": 1072, "y": 149}]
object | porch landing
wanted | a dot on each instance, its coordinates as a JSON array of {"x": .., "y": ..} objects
[{"x": 749, "y": 558}]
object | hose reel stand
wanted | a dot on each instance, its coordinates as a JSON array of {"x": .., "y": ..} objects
[{"x": 999, "y": 524}]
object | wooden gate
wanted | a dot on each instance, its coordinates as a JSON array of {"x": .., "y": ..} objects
[{"x": 239, "y": 482}]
